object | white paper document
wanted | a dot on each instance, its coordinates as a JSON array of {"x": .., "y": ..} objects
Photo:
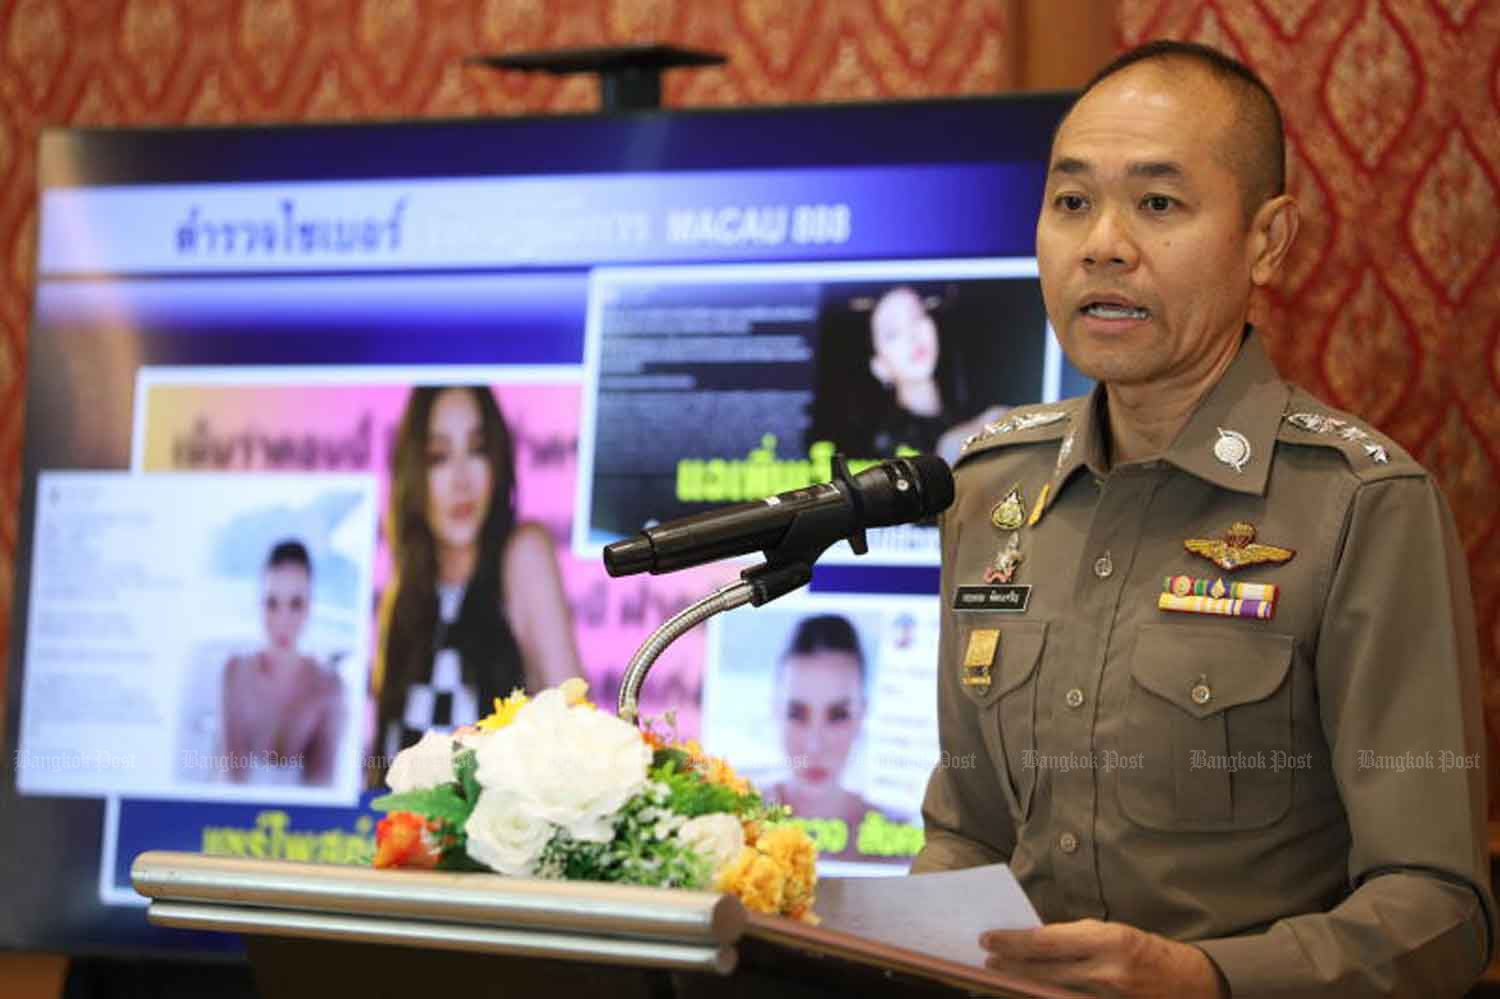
[{"x": 940, "y": 915}]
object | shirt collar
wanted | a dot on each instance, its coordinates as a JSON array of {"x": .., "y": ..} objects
[{"x": 1227, "y": 441}]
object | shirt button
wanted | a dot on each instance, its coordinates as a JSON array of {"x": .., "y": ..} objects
[
  {"x": 1067, "y": 842},
  {"x": 1074, "y": 698},
  {"x": 1201, "y": 694},
  {"x": 1103, "y": 566}
]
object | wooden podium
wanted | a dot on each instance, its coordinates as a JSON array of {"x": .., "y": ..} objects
[{"x": 320, "y": 931}]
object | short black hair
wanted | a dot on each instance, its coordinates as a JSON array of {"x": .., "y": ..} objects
[
  {"x": 826, "y": 633},
  {"x": 1259, "y": 153},
  {"x": 290, "y": 552}
]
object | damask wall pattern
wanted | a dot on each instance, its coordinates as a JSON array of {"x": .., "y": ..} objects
[{"x": 1389, "y": 305}]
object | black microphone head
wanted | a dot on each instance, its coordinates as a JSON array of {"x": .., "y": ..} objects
[
  {"x": 934, "y": 482},
  {"x": 904, "y": 490}
]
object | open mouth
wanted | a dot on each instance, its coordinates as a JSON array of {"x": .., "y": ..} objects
[{"x": 1115, "y": 310}]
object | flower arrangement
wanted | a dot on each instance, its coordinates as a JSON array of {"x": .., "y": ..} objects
[{"x": 551, "y": 787}]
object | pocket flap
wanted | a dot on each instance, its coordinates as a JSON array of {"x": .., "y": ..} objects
[
  {"x": 1203, "y": 672},
  {"x": 1016, "y": 658}
]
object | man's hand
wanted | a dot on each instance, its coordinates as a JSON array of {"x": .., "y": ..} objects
[{"x": 1104, "y": 959}]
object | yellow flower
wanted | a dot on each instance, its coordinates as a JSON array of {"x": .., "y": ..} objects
[
  {"x": 793, "y": 851},
  {"x": 758, "y": 880},
  {"x": 505, "y": 711}
]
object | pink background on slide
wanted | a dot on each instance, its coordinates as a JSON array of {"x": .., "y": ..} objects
[{"x": 306, "y": 428}]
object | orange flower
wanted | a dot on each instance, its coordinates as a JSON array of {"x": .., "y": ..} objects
[
  {"x": 653, "y": 740},
  {"x": 717, "y": 771},
  {"x": 803, "y": 913},
  {"x": 405, "y": 839},
  {"x": 758, "y": 881},
  {"x": 793, "y": 851}
]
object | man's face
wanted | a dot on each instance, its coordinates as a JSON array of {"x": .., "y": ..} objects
[{"x": 1142, "y": 245}]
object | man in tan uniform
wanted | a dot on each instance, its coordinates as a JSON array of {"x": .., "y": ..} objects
[{"x": 1208, "y": 654}]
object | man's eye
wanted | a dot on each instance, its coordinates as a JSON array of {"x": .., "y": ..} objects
[
  {"x": 1157, "y": 203},
  {"x": 1071, "y": 202}
]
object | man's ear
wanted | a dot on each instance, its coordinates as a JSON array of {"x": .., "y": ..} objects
[
  {"x": 880, "y": 370},
  {"x": 1272, "y": 233}
]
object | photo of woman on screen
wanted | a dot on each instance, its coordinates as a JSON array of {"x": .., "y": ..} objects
[
  {"x": 820, "y": 700},
  {"x": 282, "y": 711},
  {"x": 903, "y": 359},
  {"x": 476, "y": 607}
]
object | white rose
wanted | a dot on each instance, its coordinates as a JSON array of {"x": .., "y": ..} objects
[
  {"x": 718, "y": 837},
  {"x": 503, "y": 836},
  {"x": 575, "y": 767},
  {"x": 427, "y": 764}
]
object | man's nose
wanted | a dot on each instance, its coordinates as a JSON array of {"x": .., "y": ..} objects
[{"x": 1109, "y": 242}]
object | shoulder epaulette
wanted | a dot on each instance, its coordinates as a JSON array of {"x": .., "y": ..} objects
[
  {"x": 1022, "y": 425},
  {"x": 1371, "y": 455}
]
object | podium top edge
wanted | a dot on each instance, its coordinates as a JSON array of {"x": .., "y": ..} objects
[{"x": 442, "y": 896}]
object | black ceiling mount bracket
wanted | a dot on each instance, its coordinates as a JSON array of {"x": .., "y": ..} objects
[{"x": 629, "y": 75}]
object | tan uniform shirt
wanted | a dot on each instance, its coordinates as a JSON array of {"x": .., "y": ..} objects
[{"x": 1302, "y": 795}]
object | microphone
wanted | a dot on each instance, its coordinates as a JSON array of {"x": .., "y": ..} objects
[{"x": 796, "y": 525}]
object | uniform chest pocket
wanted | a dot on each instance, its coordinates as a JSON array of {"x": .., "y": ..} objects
[
  {"x": 1007, "y": 706},
  {"x": 1210, "y": 715}
]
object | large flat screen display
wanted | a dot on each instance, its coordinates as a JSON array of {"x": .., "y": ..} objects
[{"x": 327, "y": 426}]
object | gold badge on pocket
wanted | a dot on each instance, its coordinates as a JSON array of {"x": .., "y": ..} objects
[
  {"x": 1010, "y": 513},
  {"x": 979, "y": 657}
]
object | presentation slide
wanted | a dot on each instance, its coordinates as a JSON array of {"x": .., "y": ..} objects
[
  {"x": 722, "y": 384},
  {"x": 827, "y": 703},
  {"x": 289, "y": 420},
  {"x": 255, "y": 694}
]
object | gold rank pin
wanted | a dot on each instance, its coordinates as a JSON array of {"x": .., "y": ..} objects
[{"x": 1237, "y": 548}]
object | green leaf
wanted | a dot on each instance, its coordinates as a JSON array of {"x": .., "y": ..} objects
[
  {"x": 457, "y": 859},
  {"x": 673, "y": 759},
  {"x": 443, "y": 803},
  {"x": 466, "y": 766}
]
